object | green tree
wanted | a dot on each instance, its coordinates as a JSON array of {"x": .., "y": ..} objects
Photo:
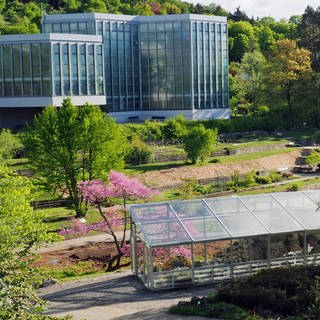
[
  {"x": 286, "y": 66},
  {"x": 72, "y": 144},
  {"x": 10, "y": 144},
  {"x": 198, "y": 143},
  {"x": 251, "y": 69},
  {"x": 242, "y": 39},
  {"x": 313, "y": 158},
  {"x": 309, "y": 33},
  {"x": 21, "y": 231}
]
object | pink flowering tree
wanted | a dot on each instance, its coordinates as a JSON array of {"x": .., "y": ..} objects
[{"x": 96, "y": 192}]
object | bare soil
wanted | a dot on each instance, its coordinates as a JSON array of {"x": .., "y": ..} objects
[
  {"x": 174, "y": 176},
  {"x": 99, "y": 253}
]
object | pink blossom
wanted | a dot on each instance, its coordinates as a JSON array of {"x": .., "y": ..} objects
[
  {"x": 95, "y": 190},
  {"x": 130, "y": 188}
]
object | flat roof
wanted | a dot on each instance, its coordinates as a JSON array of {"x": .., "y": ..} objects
[
  {"x": 212, "y": 219},
  {"x": 45, "y": 37},
  {"x": 71, "y": 17}
]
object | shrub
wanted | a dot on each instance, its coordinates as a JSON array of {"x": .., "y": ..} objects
[
  {"x": 293, "y": 187},
  {"x": 175, "y": 129},
  {"x": 283, "y": 291},
  {"x": 249, "y": 179},
  {"x": 275, "y": 176},
  {"x": 262, "y": 179},
  {"x": 198, "y": 143},
  {"x": 139, "y": 153}
]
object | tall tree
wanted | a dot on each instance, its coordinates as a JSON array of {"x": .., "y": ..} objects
[
  {"x": 286, "y": 66},
  {"x": 21, "y": 231},
  {"x": 309, "y": 34},
  {"x": 251, "y": 69},
  {"x": 72, "y": 144}
]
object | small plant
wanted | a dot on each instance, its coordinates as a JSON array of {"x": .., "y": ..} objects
[{"x": 293, "y": 187}]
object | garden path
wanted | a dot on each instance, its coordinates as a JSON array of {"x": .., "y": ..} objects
[{"x": 115, "y": 296}]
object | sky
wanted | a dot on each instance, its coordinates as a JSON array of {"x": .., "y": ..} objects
[{"x": 260, "y": 8}]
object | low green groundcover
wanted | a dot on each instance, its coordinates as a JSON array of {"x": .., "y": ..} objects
[{"x": 282, "y": 293}]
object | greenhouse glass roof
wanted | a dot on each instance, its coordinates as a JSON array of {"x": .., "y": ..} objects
[{"x": 179, "y": 222}]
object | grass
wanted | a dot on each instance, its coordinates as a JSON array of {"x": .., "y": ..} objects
[
  {"x": 250, "y": 144},
  {"x": 253, "y": 156},
  {"x": 60, "y": 218},
  {"x": 131, "y": 170}
]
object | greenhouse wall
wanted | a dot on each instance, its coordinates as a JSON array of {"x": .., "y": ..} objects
[{"x": 287, "y": 233}]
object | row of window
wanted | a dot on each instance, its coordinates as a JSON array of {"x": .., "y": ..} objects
[
  {"x": 25, "y": 70},
  {"x": 77, "y": 69}
]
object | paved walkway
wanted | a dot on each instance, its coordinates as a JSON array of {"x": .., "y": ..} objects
[
  {"x": 78, "y": 242},
  {"x": 115, "y": 296}
]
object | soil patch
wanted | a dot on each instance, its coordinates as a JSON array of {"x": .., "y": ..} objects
[
  {"x": 99, "y": 253},
  {"x": 173, "y": 176}
]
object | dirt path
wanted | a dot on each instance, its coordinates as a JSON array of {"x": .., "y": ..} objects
[
  {"x": 170, "y": 177},
  {"x": 115, "y": 296}
]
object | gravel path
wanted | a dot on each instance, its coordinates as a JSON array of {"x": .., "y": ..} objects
[{"x": 115, "y": 296}]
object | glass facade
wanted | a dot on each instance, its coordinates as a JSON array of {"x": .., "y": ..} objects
[
  {"x": 78, "y": 69},
  {"x": 25, "y": 70},
  {"x": 51, "y": 68},
  {"x": 151, "y": 63}
]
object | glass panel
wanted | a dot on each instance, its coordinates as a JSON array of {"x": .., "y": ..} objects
[
  {"x": 46, "y": 67},
  {"x": 236, "y": 217},
  {"x": 17, "y": 86},
  {"x": 99, "y": 69},
  {"x": 74, "y": 70},
  {"x": 91, "y": 70},
  {"x": 302, "y": 207},
  {"x": 7, "y": 70},
  {"x": 65, "y": 69},
  {"x": 26, "y": 69},
  {"x": 152, "y": 212},
  {"x": 36, "y": 72},
  {"x": 272, "y": 215},
  {"x": 164, "y": 233},
  {"x": 83, "y": 70},
  {"x": 56, "y": 69},
  {"x": 1, "y": 72},
  {"x": 205, "y": 228}
]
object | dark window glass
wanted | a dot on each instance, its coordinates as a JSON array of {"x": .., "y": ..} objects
[
  {"x": 56, "y": 70},
  {"x": 26, "y": 70},
  {"x": 17, "y": 77},
  {"x": 36, "y": 69}
]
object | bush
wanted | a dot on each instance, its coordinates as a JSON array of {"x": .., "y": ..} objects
[
  {"x": 283, "y": 291},
  {"x": 198, "y": 143},
  {"x": 202, "y": 308},
  {"x": 139, "y": 153},
  {"x": 174, "y": 129},
  {"x": 262, "y": 179},
  {"x": 293, "y": 187},
  {"x": 275, "y": 176}
]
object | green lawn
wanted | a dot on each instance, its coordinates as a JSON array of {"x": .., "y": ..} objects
[{"x": 60, "y": 218}]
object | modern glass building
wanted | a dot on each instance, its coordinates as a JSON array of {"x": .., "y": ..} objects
[{"x": 136, "y": 66}]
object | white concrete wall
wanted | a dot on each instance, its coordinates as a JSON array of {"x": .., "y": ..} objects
[{"x": 204, "y": 114}]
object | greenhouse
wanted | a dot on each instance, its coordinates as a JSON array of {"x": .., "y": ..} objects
[{"x": 183, "y": 243}]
